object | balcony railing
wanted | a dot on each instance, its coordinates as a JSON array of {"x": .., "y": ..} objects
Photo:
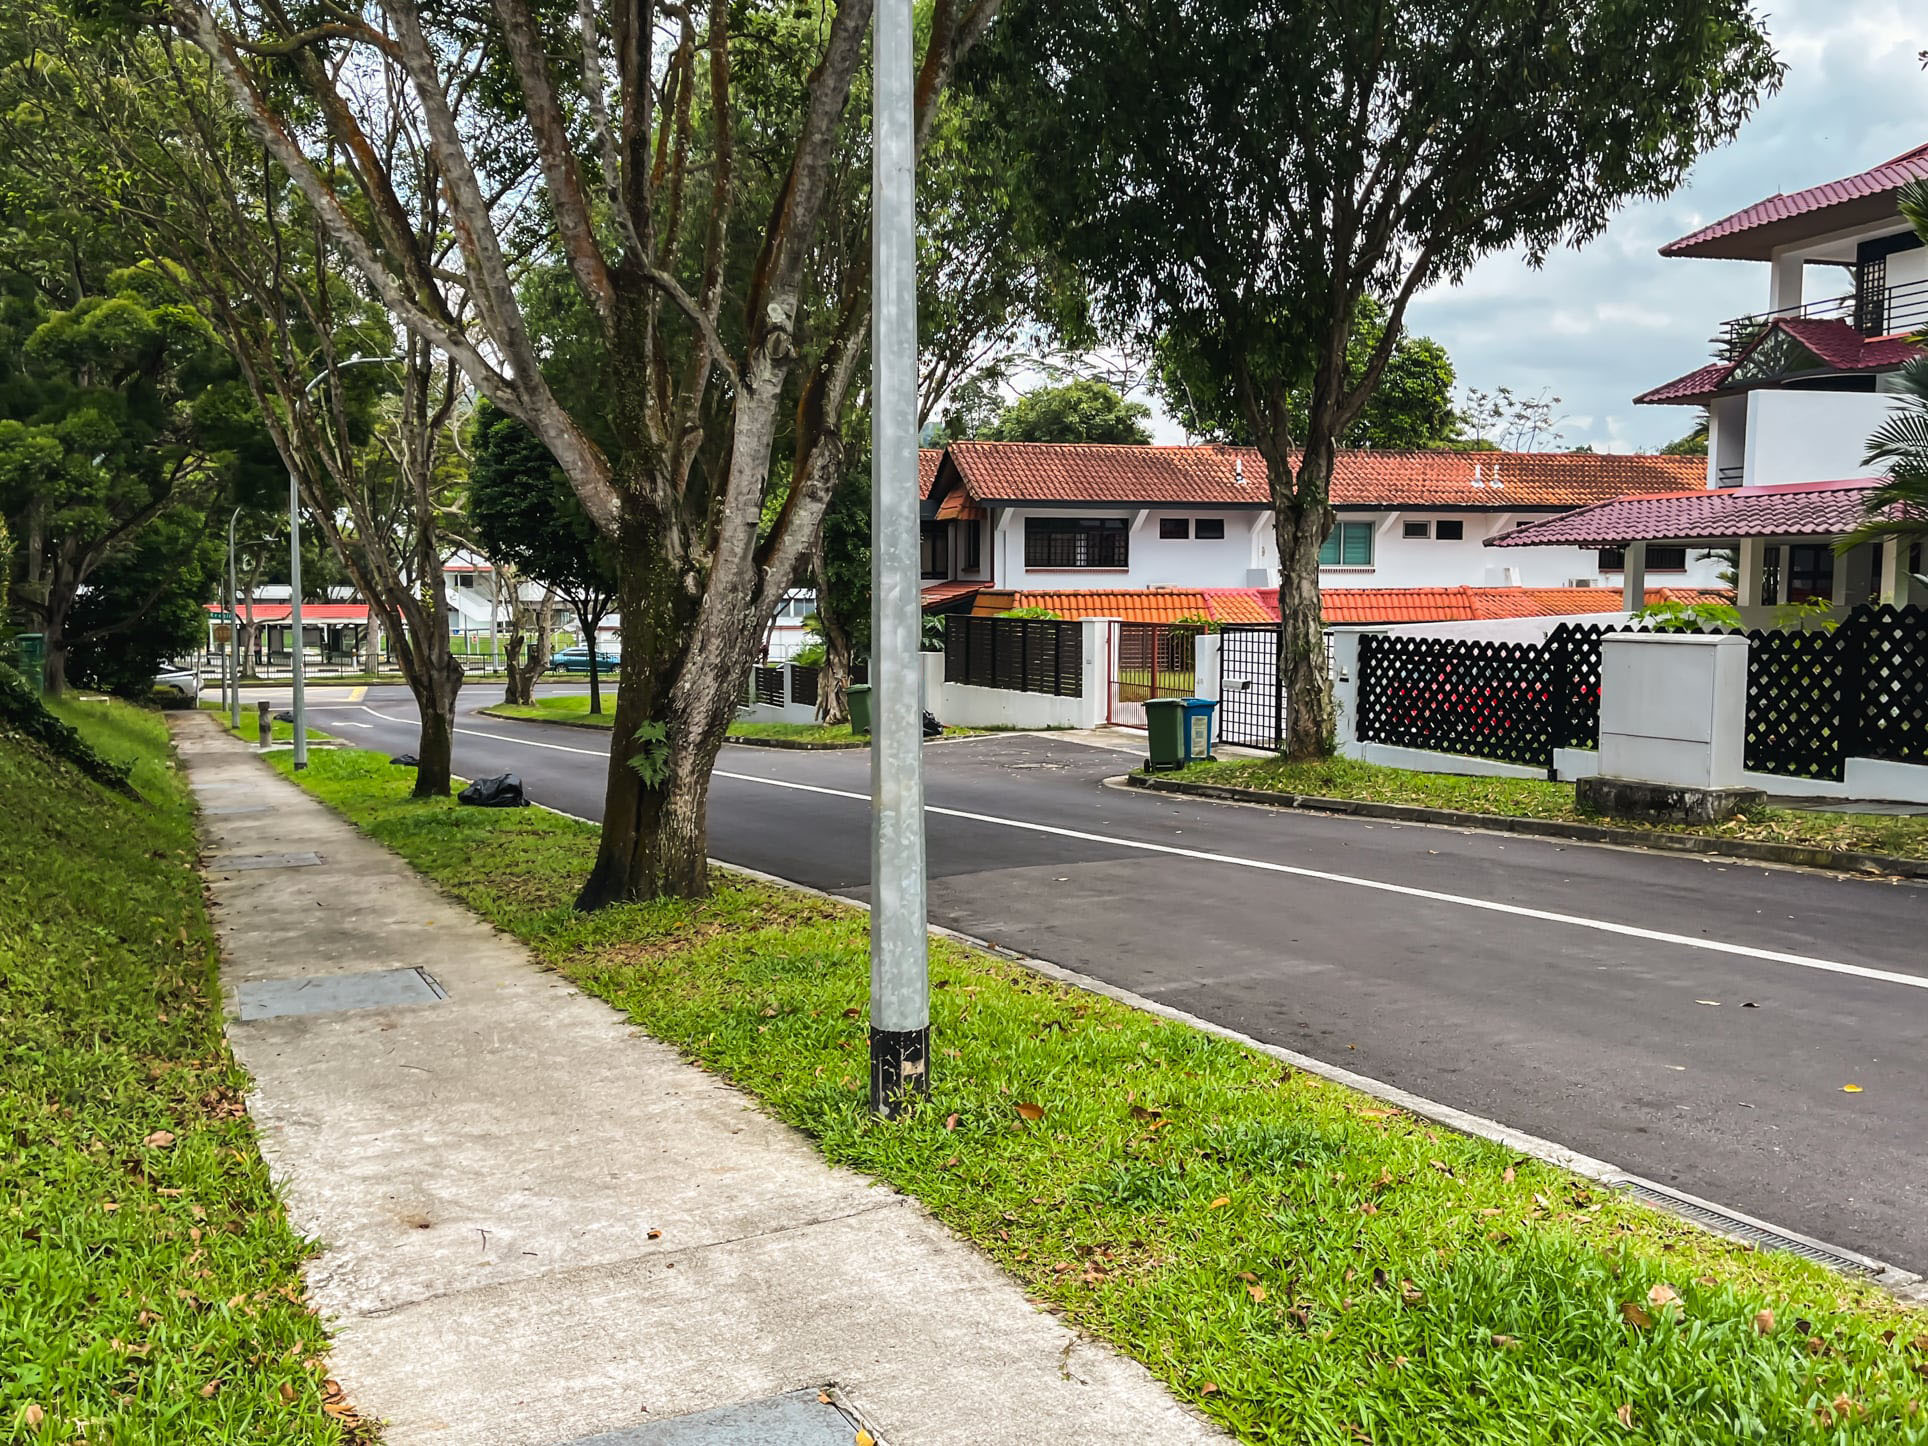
[{"x": 1873, "y": 311}]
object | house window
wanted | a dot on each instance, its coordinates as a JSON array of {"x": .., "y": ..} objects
[
  {"x": 973, "y": 546},
  {"x": 934, "y": 549},
  {"x": 1174, "y": 529},
  {"x": 1810, "y": 573},
  {"x": 1055, "y": 542},
  {"x": 1449, "y": 531},
  {"x": 1416, "y": 529},
  {"x": 1659, "y": 559},
  {"x": 1770, "y": 576},
  {"x": 1349, "y": 544},
  {"x": 1209, "y": 529}
]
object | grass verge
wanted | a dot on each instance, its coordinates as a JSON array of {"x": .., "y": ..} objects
[
  {"x": 1899, "y": 837},
  {"x": 250, "y": 728},
  {"x": 149, "y": 1285},
  {"x": 1297, "y": 1260}
]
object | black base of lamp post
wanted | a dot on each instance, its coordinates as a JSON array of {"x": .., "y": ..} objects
[{"x": 899, "y": 1068}]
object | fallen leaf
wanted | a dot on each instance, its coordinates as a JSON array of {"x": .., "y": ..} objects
[
  {"x": 1850, "y": 1089},
  {"x": 1257, "y": 1292},
  {"x": 210, "y": 1388},
  {"x": 1033, "y": 1113},
  {"x": 823, "y": 1398},
  {"x": 1506, "y": 1342},
  {"x": 1631, "y": 1312},
  {"x": 287, "y": 1391},
  {"x": 950, "y": 1122},
  {"x": 1710, "y": 1003},
  {"x": 1222, "y": 1200},
  {"x": 35, "y": 1415},
  {"x": 159, "y": 1140},
  {"x": 1411, "y": 1293},
  {"x": 1208, "y": 1389},
  {"x": 655, "y": 1235},
  {"x": 1507, "y": 1175},
  {"x": 1764, "y": 1322},
  {"x": 1750, "y": 1005},
  {"x": 864, "y": 1438},
  {"x": 1662, "y": 1296},
  {"x": 1624, "y": 1414}
]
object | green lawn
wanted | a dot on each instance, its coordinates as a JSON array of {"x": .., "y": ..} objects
[
  {"x": 1535, "y": 798},
  {"x": 1300, "y": 1262},
  {"x": 149, "y": 1286}
]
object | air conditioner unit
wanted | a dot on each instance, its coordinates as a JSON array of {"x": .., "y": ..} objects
[{"x": 1583, "y": 582}]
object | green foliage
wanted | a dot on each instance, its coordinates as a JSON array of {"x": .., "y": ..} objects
[
  {"x": 1033, "y": 612},
  {"x": 1689, "y": 617},
  {"x": 143, "y": 606},
  {"x": 24, "y": 716},
  {"x": 1412, "y": 408},
  {"x": 149, "y": 1282},
  {"x": 1296, "y": 1260},
  {"x": 1197, "y": 623},
  {"x": 652, "y": 755},
  {"x": 525, "y": 513},
  {"x": 1081, "y": 411}
]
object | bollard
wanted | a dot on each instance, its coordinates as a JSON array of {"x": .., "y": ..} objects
[{"x": 266, "y": 735}]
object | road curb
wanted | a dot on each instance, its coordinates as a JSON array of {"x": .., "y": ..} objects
[{"x": 1796, "y": 855}]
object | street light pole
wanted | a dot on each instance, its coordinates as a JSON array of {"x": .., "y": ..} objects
[
  {"x": 234, "y": 633},
  {"x": 294, "y": 617},
  {"x": 899, "y": 930}
]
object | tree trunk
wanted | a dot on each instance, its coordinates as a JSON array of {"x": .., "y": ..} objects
[
  {"x": 833, "y": 680},
  {"x": 520, "y": 664},
  {"x": 595, "y": 673},
  {"x": 60, "y": 602},
  {"x": 435, "y": 681},
  {"x": 675, "y": 696},
  {"x": 1301, "y": 522}
]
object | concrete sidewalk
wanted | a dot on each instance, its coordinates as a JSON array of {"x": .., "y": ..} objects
[{"x": 542, "y": 1226}]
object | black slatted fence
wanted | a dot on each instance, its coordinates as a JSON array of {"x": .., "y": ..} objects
[
  {"x": 1024, "y": 655},
  {"x": 803, "y": 685},
  {"x": 769, "y": 685}
]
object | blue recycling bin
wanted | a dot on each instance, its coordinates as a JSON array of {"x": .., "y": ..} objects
[{"x": 1198, "y": 728}]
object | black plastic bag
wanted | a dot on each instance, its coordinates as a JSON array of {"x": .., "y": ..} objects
[
  {"x": 284, "y": 717},
  {"x": 405, "y": 760},
  {"x": 932, "y": 728},
  {"x": 502, "y": 791}
]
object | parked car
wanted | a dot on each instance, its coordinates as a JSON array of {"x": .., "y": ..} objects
[
  {"x": 177, "y": 685},
  {"x": 576, "y": 660}
]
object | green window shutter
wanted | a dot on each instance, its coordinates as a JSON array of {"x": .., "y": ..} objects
[
  {"x": 1355, "y": 544},
  {"x": 1329, "y": 549}
]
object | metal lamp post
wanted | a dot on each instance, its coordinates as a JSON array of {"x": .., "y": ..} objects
[
  {"x": 899, "y": 968},
  {"x": 233, "y": 699}
]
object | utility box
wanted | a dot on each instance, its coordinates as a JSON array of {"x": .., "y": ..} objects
[
  {"x": 859, "y": 707},
  {"x": 32, "y": 651}
]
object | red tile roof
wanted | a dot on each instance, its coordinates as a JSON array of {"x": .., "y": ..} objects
[
  {"x": 1214, "y": 476},
  {"x": 1836, "y": 343},
  {"x": 937, "y": 593},
  {"x": 927, "y": 460},
  {"x": 1752, "y": 233},
  {"x": 1340, "y": 606},
  {"x": 1803, "y": 509},
  {"x": 277, "y": 612}
]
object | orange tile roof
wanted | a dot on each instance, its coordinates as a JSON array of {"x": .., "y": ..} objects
[
  {"x": 1348, "y": 605},
  {"x": 927, "y": 460},
  {"x": 1047, "y": 472}
]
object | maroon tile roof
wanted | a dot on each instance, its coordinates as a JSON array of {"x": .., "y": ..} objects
[
  {"x": 1836, "y": 343},
  {"x": 1752, "y": 233},
  {"x": 1802, "y": 509},
  {"x": 1213, "y": 476}
]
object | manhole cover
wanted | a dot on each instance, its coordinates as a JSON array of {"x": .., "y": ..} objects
[
  {"x": 798, "y": 1419},
  {"x": 234, "y": 863},
  {"x": 336, "y": 993}
]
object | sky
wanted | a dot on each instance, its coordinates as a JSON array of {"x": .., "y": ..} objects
[{"x": 1596, "y": 326}]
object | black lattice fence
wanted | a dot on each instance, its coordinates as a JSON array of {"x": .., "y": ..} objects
[
  {"x": 1022, "y": 655},
  {"x": 1816, "y": 699},
  {"x": 1461, "y": 695},
  {"x": 769, "y": 685},
  {"x": 1886, "y": 666},
  {"x": 1251, "y": 692},
  {"x": 803, "y": 685}
]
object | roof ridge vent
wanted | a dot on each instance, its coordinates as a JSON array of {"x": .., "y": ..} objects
[
  {"x": 1238, "y": 469},
  {"x": 1476, "y": 476}
]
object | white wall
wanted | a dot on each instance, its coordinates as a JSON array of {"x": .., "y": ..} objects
[
  {"x": 1798, "y": 436},
  {"x": 1248, "y": 555}
]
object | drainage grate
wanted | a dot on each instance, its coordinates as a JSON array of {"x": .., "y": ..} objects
[
  {"x": 234, "y": 863},
  {"x": 801, "y": 1418},
  {"x": 337, "y": 993},
  {"x": 1739, "y": 1227}
]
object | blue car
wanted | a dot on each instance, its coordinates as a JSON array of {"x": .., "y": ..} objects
[{"x": 576, "y": 660}]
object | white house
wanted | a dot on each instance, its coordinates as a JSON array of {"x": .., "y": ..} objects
[
  {"x": 1041, "y": 517},
  {"x": 1792, "y": 398}
]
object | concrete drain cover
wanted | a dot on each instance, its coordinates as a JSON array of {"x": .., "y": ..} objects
[
  {"x": 234, "y": 863},
  {"x": 337, "y": 993},
  {"x": 798, "y": 1419}
]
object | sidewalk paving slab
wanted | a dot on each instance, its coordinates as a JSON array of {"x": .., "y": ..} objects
[{"x": 541, "y": 1225}]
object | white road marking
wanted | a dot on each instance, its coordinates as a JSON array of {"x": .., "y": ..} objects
[{"x": 1494, "y": 906}]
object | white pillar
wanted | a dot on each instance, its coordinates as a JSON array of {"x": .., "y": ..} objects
[
  {"x": 1784, "y": 281},
  {"x": 1205, "y": 671},
  {"x": 1096, "y": 642},
  {"x": 1633, "y": 580},
  {"x": 1747, "y": 583},
  {"x": 1894, "y": 573}
]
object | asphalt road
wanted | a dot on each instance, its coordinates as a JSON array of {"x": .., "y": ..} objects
[{"x": 1561, "y": 989}]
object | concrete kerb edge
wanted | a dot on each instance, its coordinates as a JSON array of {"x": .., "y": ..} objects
[{"x": 1786, "y": 855}]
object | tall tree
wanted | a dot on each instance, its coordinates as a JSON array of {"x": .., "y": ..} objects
[
  {"x": 684, "y": 155},
  {"x": 524, "y": 514},
  {"x": 1079, "y": 411},
  {"x": 1242, "y": 174}
]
